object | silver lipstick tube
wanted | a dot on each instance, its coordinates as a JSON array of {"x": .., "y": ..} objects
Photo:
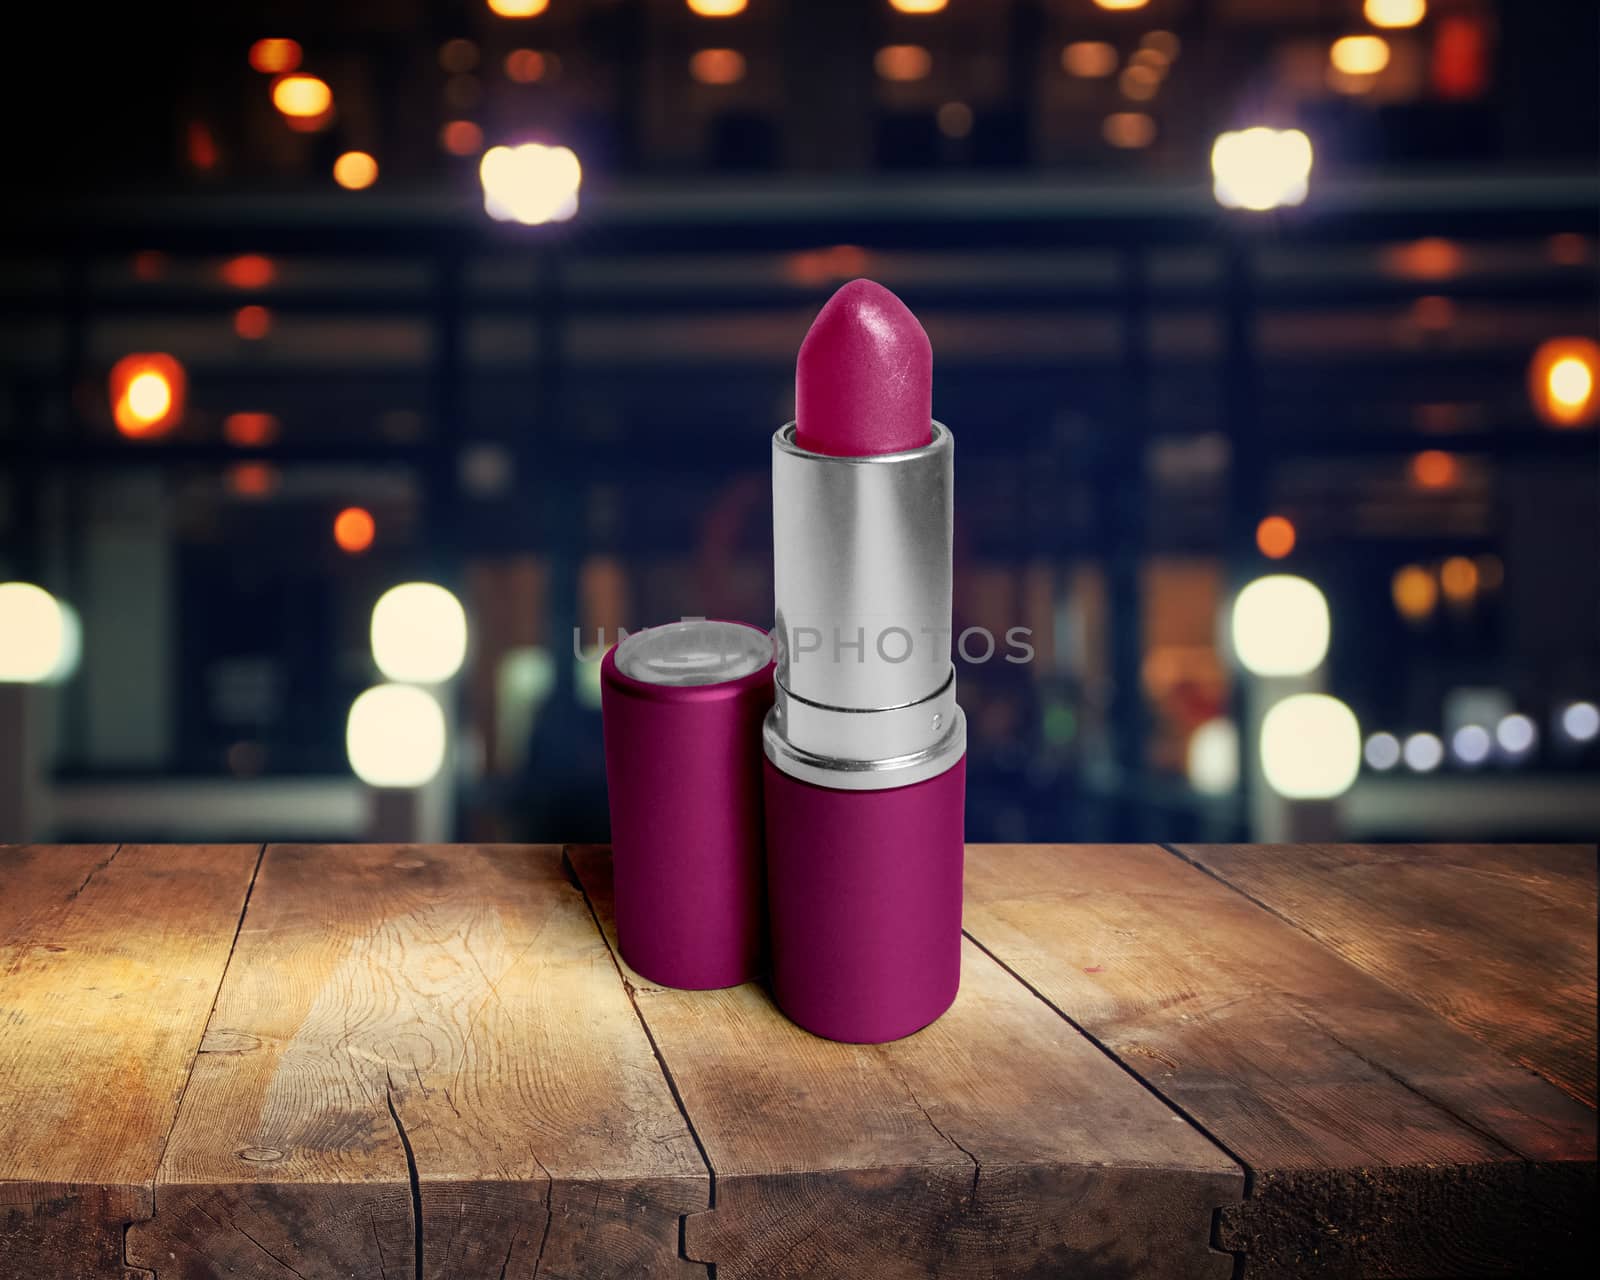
[{"x": 866, "y": 689}]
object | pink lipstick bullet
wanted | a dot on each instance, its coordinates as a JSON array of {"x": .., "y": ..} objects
[{"x": 865, "y": 776}]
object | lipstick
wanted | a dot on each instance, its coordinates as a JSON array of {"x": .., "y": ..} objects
[{"x": 865, "y": 748}]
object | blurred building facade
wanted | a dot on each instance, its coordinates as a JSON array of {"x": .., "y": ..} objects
[{"x": 1157, "y": 399}]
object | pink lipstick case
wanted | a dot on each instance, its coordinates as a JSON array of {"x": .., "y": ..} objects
[
  {"x": 682, "y": 707},
  {"x": 865, "y": 746}
]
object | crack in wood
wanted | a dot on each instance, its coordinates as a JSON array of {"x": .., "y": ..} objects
[
  {"x": 411, "y": 1172},
  {"x": 93, "y": 872}
]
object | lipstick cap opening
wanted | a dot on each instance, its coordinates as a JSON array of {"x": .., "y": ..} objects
[{"x": 682, "y": 707}]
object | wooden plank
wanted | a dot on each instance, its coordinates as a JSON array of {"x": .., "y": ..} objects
[
  {"x": 110, "y": 958},
  {"x": 422, "y": 1063},
  {"x": 998, "y": 1141},
  {"x": 1380, "y": 1140},
  {"x": 1497, "y": 939}
]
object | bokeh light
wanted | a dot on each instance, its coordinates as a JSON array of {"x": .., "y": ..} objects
[
  {"x": 903, "y": 62},
  {"x": 1470, "y": 744},
  {"x": 1435, "y": 469},
  {"x": 1516, "y": 734},
  {"x": 1139, "y": 83},
  {"x": 1359, "y": 55},
  {"x": 395, "y": 736},
  {"x": 717, "y": 8},
  {"x": 1430, "y": 258},
  {"x": 530, "y": 184},
  {"x": 275, "y": 56},
  {"x": 1395, "y": 13},
  {"x": 1128, "y": 130},
  {"x": 1310, "y": 747},
  {"x": 458, "y": 56},
  {"x": 1580, "y": 721},
  {"x": 1415, "y": 592},
  {"x": 954, "y": 119},
  {"x": 1089, "y": 59},
  {"x": 1280, "y": 626},
  {"x": 1382, "y": 752},
  {"x": 518, "y": 8},
  {"x": 354, "y": 529},
  {"x": 525, "y": 66},
  {"x": 1261, "y": 168},
  {"x": 1423, "y": 752},
  {"x": 1561, "y": 381},
  {"x": 1458, "y": 579},
  {"x": 1275, "y": 537},
  {"x": 248, "y": 271},
  {"x": 252, "y": 323},
  {"x": 717, "y": 66},
  {"x": 249, "y": 430},
  {"x": 1121, "y": 5},
  {"x": 1166, "y": 43},
  {"x": 252, "y": 480},
  {"x": 355, "y": 170},
  {"x": 1212, "y": 759},
  {"x": 461, "y": 138},
  {"x": 919, "y": 6},
  {"x": 39, "y": 637},
  {"x": 419, "y": 633},
  {"x": 303, "y": 97},
  {"x": 147, "y": 391}
]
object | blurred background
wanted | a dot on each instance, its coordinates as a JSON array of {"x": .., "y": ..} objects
[{"x": 367, "y": 365}]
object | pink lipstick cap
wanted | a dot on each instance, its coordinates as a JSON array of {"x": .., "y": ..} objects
[{"x": 682, "y": 707}]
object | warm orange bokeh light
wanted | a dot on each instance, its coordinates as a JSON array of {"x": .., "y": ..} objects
[
  {"x": 249, "y": 430},
  {"x": 202, "y": 145},
  {"x": 717, "y": 66},
  {"x": 918, "y": 6},
  {"x": 353, "y": 530},
  {"x": 1432, "y": 258},
  {"x": 147, "y": 394},
  {"x": 149, "y": 264},
  {"x": 525, "y": 65},
  {"x": 903, "y": 62},
  {"x": 1435, "y": 469},
  {"x": 1562, "y": 379},
  {"x": 1363, "y": 55},
  {"x": 1275, "y": 537},
  {"x": 252, "y": 479},
  {"x": 1415, "y": 592},
  {"x": 461, "y": 138},
  {"x": 1128, "y": 130},
  {"x": 1089, "y": 59},
  {"x": 302, "y": 96},
  {"x": 252, "y": 322},
  {"x": 518, "y": 8},
  {"x": 355, "y": 170},
  {"x": 717, "y": 8},
  {"x": 274, "y": 57},
  {"x": 1458, "y": 579},
  {"x": 248, "y": 271},
  {"x": 1433, "y": 313},
  {"x": 814, "y": 267}
]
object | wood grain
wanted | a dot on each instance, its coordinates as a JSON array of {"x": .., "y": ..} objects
[
  {"x": 1380, "y": 1139},
  {"x": 422, "y": 1064},
  {"x": 110, "y": 958},
  {"x": 1498, "y": 940},
  {"x": 998, "y": 1141}
]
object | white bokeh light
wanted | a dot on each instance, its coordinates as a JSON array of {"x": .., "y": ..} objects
[
  {"x": 1382, "y": 751},
  {"x": 1423, "y": 752},
  {"x": 395, "y": 736},
  {"x": 1471, "y": 743},
  {"x": 531, "y": 183},
  {"x": 419, "y": 633},
  {"x": 39, "y": 636},
  {"x": 1516, "y": 734},
  {"x": 1280, "y": 626},
  {"x": 1261, "y": 168},
  {"x": 1213, "y": 757},
  {"x": 1310, "y": 747},
  {"x": 1580, "y": 721}
]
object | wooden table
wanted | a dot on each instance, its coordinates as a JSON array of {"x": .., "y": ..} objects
[{"x": 420, "y": 1061}]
